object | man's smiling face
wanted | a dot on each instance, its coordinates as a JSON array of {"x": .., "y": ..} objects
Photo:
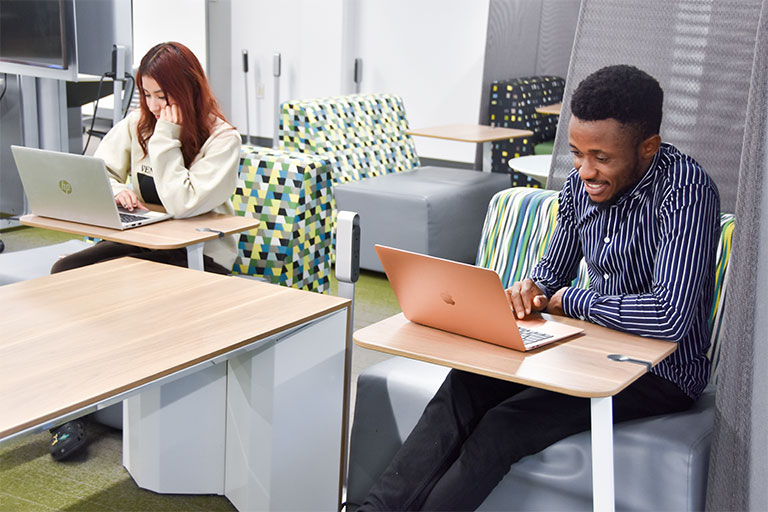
[{"x": 608, "y": 156}]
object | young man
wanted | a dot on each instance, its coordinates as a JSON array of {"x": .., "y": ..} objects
[{"x": 646, "y": 219}]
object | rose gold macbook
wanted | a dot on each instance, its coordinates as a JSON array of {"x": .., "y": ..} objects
[{"x": 463, "y": 299}]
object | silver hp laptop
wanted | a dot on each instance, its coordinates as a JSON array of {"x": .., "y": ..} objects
[
  {"x": 463, "y": 299},
  {"x": 74, "y": 187}
]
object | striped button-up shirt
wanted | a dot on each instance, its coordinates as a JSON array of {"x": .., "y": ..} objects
[{"x": 650, "y": 257}]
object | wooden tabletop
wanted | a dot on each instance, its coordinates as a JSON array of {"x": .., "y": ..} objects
[
  {"x": 73, "y": 339},
  {"x": 470, "y": 132},
  {"x": 168, "y": 234},
  {"x": 578, "y": 366},
  {"x": 553, "y": 109}
]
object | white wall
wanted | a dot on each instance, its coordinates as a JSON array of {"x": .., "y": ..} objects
[
  {"x": 157, "y": 21},
  {"x": 430, "y": 52},
  {"x": 307, "y": 34}
]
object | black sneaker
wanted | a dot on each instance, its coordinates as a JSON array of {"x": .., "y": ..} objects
[{"x": 67, "y": 439}]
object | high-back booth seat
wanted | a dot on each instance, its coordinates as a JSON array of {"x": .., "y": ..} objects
[
  {"x": 660, "y": 462},
  {"x": 376, "y": 173},
  {"x": 513, "y": 104}
]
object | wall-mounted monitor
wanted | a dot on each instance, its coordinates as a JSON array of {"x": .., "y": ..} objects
[
  {"x": 61, "y": 38},
  {"x": 38, "y": 38}
]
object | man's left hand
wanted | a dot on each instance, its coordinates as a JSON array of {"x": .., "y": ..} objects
[{"x": 555, "y": 305}]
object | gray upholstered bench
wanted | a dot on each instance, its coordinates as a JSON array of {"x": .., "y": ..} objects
[
  {"x": 431, "y": 210},
  {"x": 376, "y": 173}
]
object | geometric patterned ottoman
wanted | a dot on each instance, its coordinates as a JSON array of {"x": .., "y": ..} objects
[{"x": 290, "y": 193}]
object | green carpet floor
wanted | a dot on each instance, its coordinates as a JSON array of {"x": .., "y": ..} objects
[
  {"x": 30, "y": 480},
  {"x": 95, "y": 480}
]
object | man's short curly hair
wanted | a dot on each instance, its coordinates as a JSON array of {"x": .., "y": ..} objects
[{"x": 624, "y": 93}]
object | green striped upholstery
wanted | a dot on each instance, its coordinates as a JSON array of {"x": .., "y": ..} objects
[
  {"x": 519, "y": 226},
  {"x": 727, "y": 223}
]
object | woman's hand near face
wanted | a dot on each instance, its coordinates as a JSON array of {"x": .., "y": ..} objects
[
  {"x": 128, "y": 200},
  {"x": 171, "y": 113}
]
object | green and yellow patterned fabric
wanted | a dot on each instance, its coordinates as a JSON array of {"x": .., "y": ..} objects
[
  {"x": 519, "y": 226},
  {"x": 360, "y": 135},
  {"x": 290, "y": 193},
  {"x": 716, "y": 318}
]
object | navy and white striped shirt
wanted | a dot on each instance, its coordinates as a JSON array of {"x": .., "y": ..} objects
[{"x": 651, "y": 260}]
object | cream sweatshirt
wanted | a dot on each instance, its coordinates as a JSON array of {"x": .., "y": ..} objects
[{"x": 206, "y": 186}]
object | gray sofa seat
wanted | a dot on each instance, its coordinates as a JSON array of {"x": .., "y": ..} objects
[
  {"x": 430, "y": 210},
  {"x": 392, "y": 395}
]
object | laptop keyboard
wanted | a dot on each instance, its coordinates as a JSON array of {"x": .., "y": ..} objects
[
  {"x": 128, "y": 217},
  {"x": 530, "y": 336}
]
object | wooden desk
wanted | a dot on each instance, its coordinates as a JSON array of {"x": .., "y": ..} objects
[
  {"x": 476, "y": 133},
  {"x": 161, "y": 336},
  {"x": 579, "y": 366},
  {"x": 552, "y": 110},
  {"x": 168, "y": 234}
]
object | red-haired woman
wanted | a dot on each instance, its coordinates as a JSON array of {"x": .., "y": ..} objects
[{"x": 176, "y": 151}]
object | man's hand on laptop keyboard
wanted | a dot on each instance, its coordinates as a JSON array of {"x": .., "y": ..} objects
[
  {"x": 524, "y": 297},
  {"x": 128, "y": 200}
]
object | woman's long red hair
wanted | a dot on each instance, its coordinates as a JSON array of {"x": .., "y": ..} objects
[{"x": 179, "y": 74}]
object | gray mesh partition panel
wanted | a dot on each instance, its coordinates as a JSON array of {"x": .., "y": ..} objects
[
  {"x": 526, "y": 38},
  {"x": 701, "y": 52},
  {"x": 556, "y": 33},
  {"x": 738, "y": 469}
]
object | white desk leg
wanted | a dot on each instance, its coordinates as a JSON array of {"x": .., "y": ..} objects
[
  {"x": 284, "y": 419},
  {"x": 174, "y": 434},
  {"x": 195, "y": 256},
  {"x": 487, "y": 146},
  {"x": 602, "y": 454}
]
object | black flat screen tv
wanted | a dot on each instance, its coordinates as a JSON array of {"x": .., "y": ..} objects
[{"x": 38, "y": 33}]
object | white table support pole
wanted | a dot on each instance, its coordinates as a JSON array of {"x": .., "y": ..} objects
[
  {"x": 195, "y": 256},
  {"x": 602, "y": 454},
  {"x": 487, "y": 147}
]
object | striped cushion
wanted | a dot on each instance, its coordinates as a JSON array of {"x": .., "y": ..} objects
[
  {"x": 716, "y": 317},
  {"x": 519, "y": 225}
]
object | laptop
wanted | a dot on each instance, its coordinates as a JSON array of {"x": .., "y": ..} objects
[
  {"x": 74, "y": 187},
  {"x": 463, "y": 299}
]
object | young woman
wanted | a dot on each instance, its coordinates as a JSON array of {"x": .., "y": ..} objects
[{"x": 177, "y": 151}]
